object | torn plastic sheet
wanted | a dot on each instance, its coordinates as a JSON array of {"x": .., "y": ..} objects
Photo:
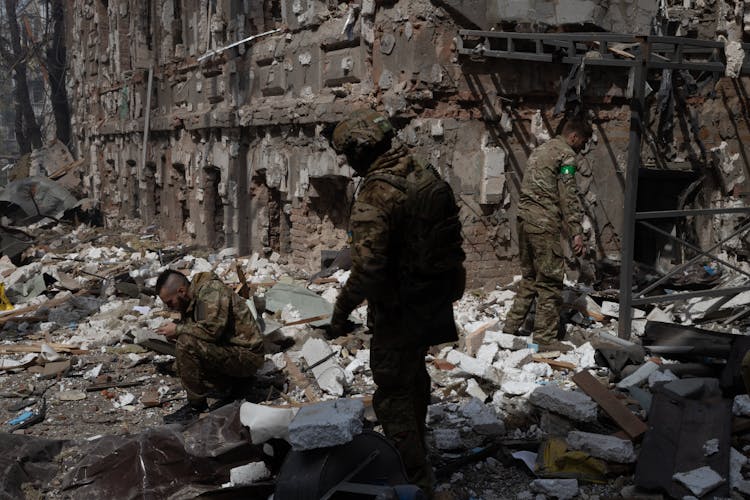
[
  {"x": 308, "y": 304},
  {"x": 26, "y": 459},
  {"x": 28, "y": 200},
  {"x": 161, "y": 461}
]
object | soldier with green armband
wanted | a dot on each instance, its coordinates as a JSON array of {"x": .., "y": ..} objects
[{"x": 549, "y": 204}]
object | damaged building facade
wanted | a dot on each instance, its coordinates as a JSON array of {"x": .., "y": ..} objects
[{"x": 236, "y": 152}]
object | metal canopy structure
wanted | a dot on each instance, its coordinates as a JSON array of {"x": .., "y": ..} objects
[{"x": 639, "y": 55}]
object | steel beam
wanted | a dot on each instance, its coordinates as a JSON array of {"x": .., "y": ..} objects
[
  {"x": 671, "y": 214},
  {"x": 673, "y": 297},
  {"x": 627, "y": 251}
]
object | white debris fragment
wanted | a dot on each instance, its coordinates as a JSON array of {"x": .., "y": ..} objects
[
  {"x": 736, "y": 462},
  {"x": 699, "y": 481},
  {"x": 711, "y": 447},
  {"x": 94, "y": 372},
  {"x": 657, "y": 314},
  {"x": 562, "y": 489},
  {"x": 124, "y": 400},
  {"x": 741, "y": 406},
  {"x": 249, "y": 474},
  {"x": 506, "y": 340},
  {"x": 265, "y": 422},
  {"x": 538, "y": 369},
  {"x": 473, "y": 389},
  {"x": 486, "y": 353},
  {"x": 610, "y": 448}
]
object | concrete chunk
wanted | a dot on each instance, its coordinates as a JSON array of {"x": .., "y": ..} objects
[
  {"x": 699, "y": 481},
  {"x": 555, "y": 488},
  {"x": 473, "y": 389},
  {"x": 506, "y": 340},
  {"x": 741, "y": 406},
  {"x": 329, "y": 375},
  {"x": 639, "y": 376},
  {"x": 610, "y": 448},
  {"x": 571, "y": 404},
  {"x": 482, "y": 418},
  {"x": 325, "y": 424}
]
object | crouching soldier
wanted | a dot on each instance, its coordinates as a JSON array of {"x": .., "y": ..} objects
[{"x": 219, "y": 343}]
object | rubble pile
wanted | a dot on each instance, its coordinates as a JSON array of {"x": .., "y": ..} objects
[{"x": 80, "y": 359}]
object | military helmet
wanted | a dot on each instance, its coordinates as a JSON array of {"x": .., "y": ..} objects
[{"x": 362, "y": 130}]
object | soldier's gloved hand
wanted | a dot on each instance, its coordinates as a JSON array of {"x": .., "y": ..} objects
[{"x": 340, "y": 326}]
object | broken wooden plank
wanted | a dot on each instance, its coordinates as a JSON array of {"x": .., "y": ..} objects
[
  {"x": 307, "y": 320},
  {"x": 323, "y": 281},
  {"x": 554, "y": 363},
  {"x": 8, "y": 315},
  {"x": 299, "y": 379},
  {"x": 37, "y": 347},
  {"x": 112, "y": 385},
  {"x": 632, "y": 425}
]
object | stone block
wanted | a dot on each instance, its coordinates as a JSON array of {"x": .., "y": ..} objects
[
  {"x": 699, "y": 481},
  {"x": 447, "y": 439},
  {"x": 639, "y": 376},
  {"x": 572, "y": 404},
  {"x": 325, "y": 424},
  {"x": 555, "y": 488},
  {"x": 482, "y": 418},
  {"x": 610, "y": 448},
  {"x": 342, "y": 66},
  {"x": 492, "y": 185}
]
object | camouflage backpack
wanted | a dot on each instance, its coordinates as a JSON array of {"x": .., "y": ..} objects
[{"x": 431, "y": 270}]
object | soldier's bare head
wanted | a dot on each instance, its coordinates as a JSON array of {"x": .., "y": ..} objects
[
  {"x": 173, "y": 288},
  {"x": 577, "y": 133}
]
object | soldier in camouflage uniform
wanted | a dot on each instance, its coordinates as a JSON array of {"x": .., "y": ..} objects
[
  {"x": 218, "y": 341},
  {"x": 399, "y": 345},
  {"x": 549, "y": 198}
]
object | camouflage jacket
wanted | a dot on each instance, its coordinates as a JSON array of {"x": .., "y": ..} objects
[
  {"x": 216, "y": 314},
  {"x": 376, "y": 226},
  {"x": 549, "y": 194}
]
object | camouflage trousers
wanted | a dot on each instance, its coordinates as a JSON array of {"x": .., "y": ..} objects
[
  {"x": 205, "y": 368},
  {"x": 542, "y": 268},
  {"x": 400, "y": 403}
]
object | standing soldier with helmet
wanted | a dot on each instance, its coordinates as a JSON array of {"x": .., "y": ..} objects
[
  {"x": 549, "y": 198},
  {"x": 407, "y": 262}
]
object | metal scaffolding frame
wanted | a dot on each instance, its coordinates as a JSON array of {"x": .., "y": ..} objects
[{"x": 638, "y": 54}]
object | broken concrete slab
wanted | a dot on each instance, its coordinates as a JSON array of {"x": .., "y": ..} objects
[
  {"x": 482, "y": 418},
  {"x": 700, "y": 481},
  {"x": 571, "y": 404},
  {"x": 610, "y": 448},
  {"x": 329, "y": 375},
  {"x": 694, "y": 388},
  {"x": 325, "y": 424},
  {"x": 506, "y": 340},
  {"x": 639, "y": 376},
  {"x": 562, "y": 489},
  {"x": 660, "y": 377}
]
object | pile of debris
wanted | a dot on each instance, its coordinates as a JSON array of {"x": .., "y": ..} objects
[{"x": 83, "y": 372}]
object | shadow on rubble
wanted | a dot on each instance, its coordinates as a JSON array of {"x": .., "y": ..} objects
[{"x": 162, "y": 462}]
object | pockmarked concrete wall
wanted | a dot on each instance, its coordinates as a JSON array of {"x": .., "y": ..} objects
[{"x": 236, "y": 152}]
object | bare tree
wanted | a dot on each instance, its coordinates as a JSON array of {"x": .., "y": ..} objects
[
  {"x": 15, "y": 56},
  {"x": 55, "y": 63}
]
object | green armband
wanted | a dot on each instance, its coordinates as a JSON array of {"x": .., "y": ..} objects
[{"x": 568, "y": 170}]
